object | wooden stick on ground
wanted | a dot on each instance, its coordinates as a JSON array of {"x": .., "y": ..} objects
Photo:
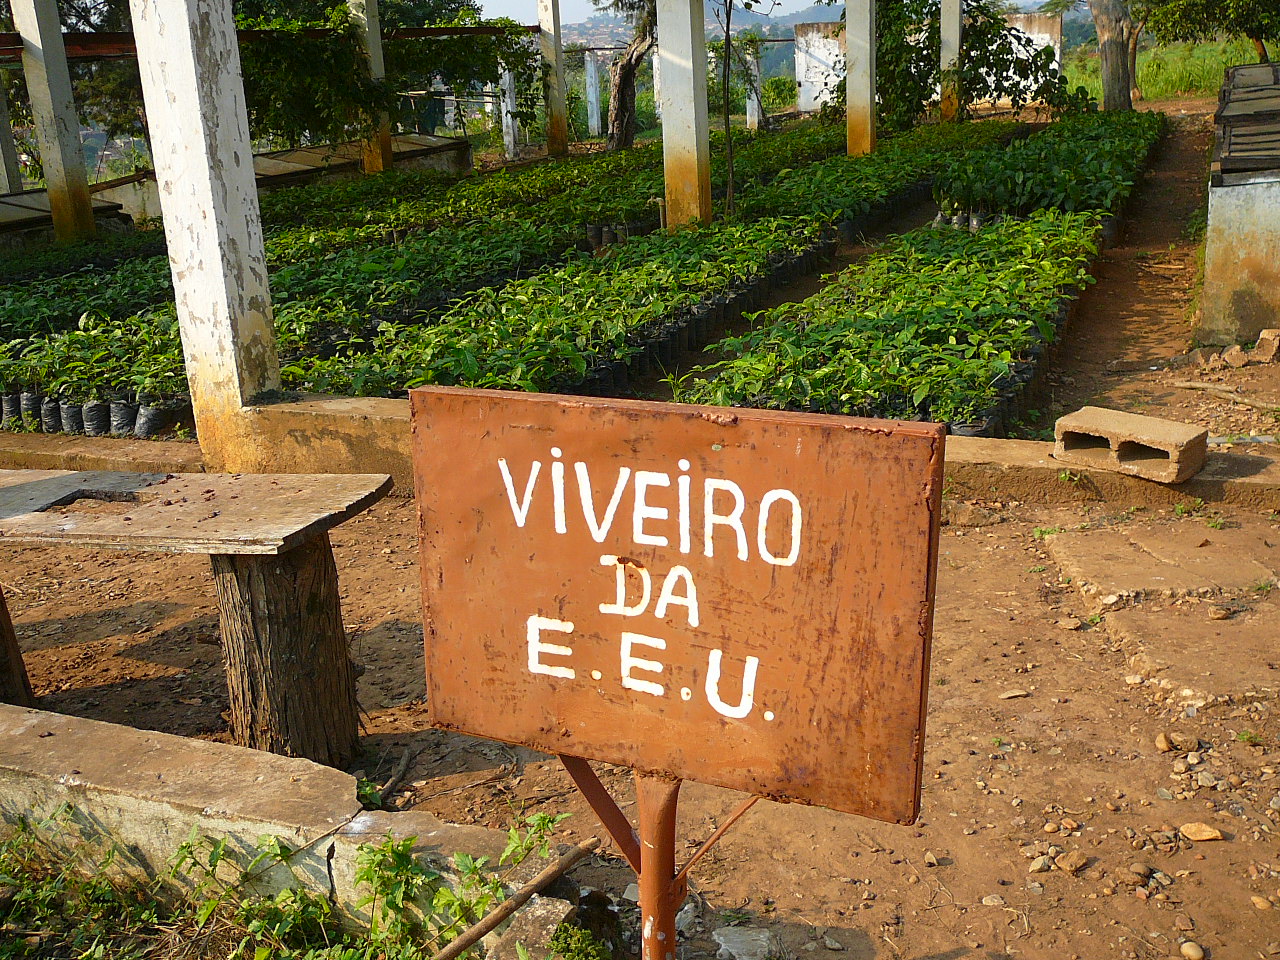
[
  {"x": 472, "y": 935},
  {"x": 1225, "y": 393}
]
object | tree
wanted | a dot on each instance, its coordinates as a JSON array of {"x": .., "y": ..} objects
[
  {"x": 1117, "y": 47},
  {"x": 1196, "y": 20},
  {"x": 643, "y": 15},
  {"x": 1114, "y": 24}
]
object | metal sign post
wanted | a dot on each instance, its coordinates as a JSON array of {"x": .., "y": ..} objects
[{"x": 737, "y": 597}]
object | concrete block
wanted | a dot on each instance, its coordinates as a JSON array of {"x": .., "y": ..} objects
[
  {"x": 1267, "y": 349},
  {"x": 145, "y": 793},
  {"x": 1235, "y": 356},
  {"x": 1161, "y": 450}
]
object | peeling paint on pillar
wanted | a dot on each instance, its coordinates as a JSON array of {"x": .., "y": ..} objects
[
  {"x": 860, "y": 57},
  {"x": 553, "y": 59},
  {"x": 508, "y": 107},
  {"x": 591, "y": 67},
  {"x": 754, "y": 110},
  {"x": 44, "y": 61},
  {"x": 189, "y": 64},
  {"x": 686, "y": 152},
  {"x": 950, "y": 26},
  {"x": 378, "y": 155}
]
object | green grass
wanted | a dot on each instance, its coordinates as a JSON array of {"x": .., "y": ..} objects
[{"x": 1177, "y": 70}]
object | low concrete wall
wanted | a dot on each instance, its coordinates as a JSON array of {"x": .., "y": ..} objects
[
  {"x": 1045, "y": 30},
  {"x": 1241, "y": 260},
  {"x": 145, "y": 792},
  {"x": 371, "y": 435}
]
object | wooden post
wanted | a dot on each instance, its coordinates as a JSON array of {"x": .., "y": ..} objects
[
  {"x": 553, "y": 56},
  {"x": 289, "y": 672},
  {"x": 378, "y": 155},
  {"x": 44, "y": 61},
  {"x": 15, "y": 687},
  {"x": 949, "y": 28},
  {"x": 686, "y": 150},
  {"x": 860, "y": 80}
]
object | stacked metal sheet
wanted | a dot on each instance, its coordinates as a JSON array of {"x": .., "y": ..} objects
[{"x": 1247, "y": 136}]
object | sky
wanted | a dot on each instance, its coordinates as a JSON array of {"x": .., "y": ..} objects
[{"x": 575, "y": 11}]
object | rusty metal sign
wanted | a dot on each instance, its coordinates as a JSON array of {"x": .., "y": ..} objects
[{"x": 742, "y": 598}]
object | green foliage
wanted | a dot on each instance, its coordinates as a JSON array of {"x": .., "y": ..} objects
[
  {"x": 926, "y": 328},
  {"x": 778, "y": 93},
  {"x": 1201, "y": 20},
  {"x": 997, "y": 61},
  {"x": 574, "y": 943},
  {"x": 846, "y": 187},
  {"x": 1177, "y": 70},
  {"x": 70, "y": 890},
  {"x": 402, "y": 279},
  {"x": 1083, "y": 162}
]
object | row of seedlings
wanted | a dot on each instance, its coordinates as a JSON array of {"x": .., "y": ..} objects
[
  {"x": 334, "y": 304},
  {"x": 944, "y": 324}
]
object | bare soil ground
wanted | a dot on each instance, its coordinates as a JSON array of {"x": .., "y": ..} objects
[{"x": 1073, "y": 645}]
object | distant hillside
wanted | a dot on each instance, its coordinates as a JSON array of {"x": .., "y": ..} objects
[{"x": 602, "y": 29}]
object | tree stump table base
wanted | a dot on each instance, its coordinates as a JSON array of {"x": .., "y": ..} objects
[{"x": 290, "y": 677}]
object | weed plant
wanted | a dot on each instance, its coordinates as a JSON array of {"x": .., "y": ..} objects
[{"x": 69, "y": 898}]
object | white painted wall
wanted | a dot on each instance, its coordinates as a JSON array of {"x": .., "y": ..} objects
[{"x": 820, "y": 59}]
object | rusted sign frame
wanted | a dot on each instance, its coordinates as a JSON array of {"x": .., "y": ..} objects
[{"x": 651, "y": 853}]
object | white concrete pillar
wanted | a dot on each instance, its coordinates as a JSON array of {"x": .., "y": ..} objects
[
  {"x": 194, "y": 97},
  {"x": 686, "y": 152},
  {"x": 657, "y": 83},
  {"x": 860, "y": 61},
  {"x": 378, "y": 155},
  {"x": 10, "y": 171},
  {"x": 950, "y": 27},
  {"x": 510, "y": 125},
  {"x": 592, "y": 67},
  {"x": 755, "y": 110},
  {"x": 489, "y": 96},
  {"x": 44, "y": 61},
  {"x": 555, "y": 96}
]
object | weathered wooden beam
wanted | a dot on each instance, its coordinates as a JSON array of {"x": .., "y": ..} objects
[{"x": 289, "y": 672}]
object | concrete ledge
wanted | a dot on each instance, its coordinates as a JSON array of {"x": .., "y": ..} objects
[
  {"x": 1025, "y": 470},
  {"x": 371, "y": 435},
  {"x": 145, "y": 793},
  {"x": 61, "y": 451}
]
